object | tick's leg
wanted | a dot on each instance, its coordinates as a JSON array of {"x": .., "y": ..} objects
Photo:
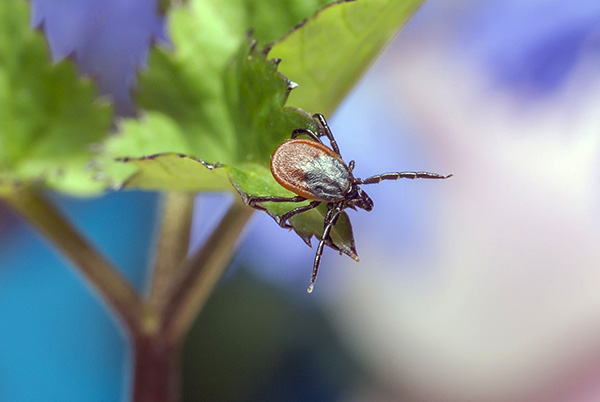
[
  {"x": 251, "y": 201},
  {"x": 254, "y": 203},
  {"x": 285, "y": 217},
  {"x": 311, "y": 134},
  {"x": 401, "y": 175},
  {"x": 327, "y": 132},
  {"x": 328, "y": 218},
  {"x": 332, "y": 217}
]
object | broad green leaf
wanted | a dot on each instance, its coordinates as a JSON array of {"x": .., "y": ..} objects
[
  {"x": 211, "y": 96},
  {"x": 255, "y": 120},
  {"x": 194, "y": 83},
  {"x": 328, "y": 53},
  {"x": 49, "y": 116}
]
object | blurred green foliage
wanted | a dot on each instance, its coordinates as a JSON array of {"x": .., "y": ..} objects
[
  {"x": 49, "y": 115},
  {"x": 253, "y": 342}
]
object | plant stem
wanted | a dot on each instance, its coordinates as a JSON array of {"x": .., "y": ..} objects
[
  {"x": 202, "y": 272},
  {"x": 113, "y": 288},
  {"x": 179, "y": 287},
  {"x": 156, "y": 370},
  {"x": 172, "y": 245}
]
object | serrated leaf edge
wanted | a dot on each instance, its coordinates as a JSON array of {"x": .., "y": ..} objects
[
  {"x": 267, "y": 48},
  {"x": 127, "y": 159}
]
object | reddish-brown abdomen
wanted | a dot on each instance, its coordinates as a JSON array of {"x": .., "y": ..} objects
[{"x": 291, "y": 161}]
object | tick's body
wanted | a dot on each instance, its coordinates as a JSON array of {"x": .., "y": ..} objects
[
  {"x": 311, "y": 170},
  {"x": 318, "y": 173}
]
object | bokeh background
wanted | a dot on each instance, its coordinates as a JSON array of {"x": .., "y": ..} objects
[{"x": 480, "y": 288}]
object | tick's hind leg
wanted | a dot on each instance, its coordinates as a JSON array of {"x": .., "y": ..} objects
[
  {"x": 254, "y": 203},
  {"x": 333, "y": 214},
  {"x": 311, "y": 134},
  {"x": 327, "y": 132},
  {"x": 285, "y": 217},
  {"x": 401, "y": 175}
]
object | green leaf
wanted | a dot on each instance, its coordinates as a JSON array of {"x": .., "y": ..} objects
[
  {"x": 328, "y": 53},
  {"x": 269, "y": 19},
  {"x": 177, "y": 172},
  {"x": 134, "y": 157},
  {"x": 310, "y": 224},
  {"x": 253, "y": 179},
  {"x": 211, "y": 96},
  {"x": 49, "y": 116}
]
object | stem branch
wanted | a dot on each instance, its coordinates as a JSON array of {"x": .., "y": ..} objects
[
  {"x": 172, "y": 245},
  {"x": 112, "y": 287},
  {"x": 202, "y": 272}
]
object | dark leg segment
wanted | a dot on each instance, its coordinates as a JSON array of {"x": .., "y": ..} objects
[
  {"x": 332, "y": 216},
  {"x": 327, "y": 132},
  {"x": 254, "y": 203},
  {"x": 311, "y": 134},
  {"x": 401, "y": 175},
  {"x": 273, "y": 198},
  {"x": 285, "y": 217}
]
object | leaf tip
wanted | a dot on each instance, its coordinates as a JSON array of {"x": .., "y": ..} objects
[
  {"x": 242, "y": 194},
  {"x": 40, "y": 27},
  {"x": 303, "y": 236}
]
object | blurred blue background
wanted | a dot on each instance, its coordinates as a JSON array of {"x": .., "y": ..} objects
[{"x": 480, "y": 288}]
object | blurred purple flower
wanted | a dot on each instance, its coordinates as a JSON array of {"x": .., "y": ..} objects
[
  {"x": 109, "y": 39},
  {"x": 531, "y": 46}
]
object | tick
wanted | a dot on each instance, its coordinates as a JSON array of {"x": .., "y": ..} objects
[{"x": 316, "y": 172}]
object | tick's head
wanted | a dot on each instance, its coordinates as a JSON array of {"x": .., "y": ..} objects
[{"x": 359, "y": 199}]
